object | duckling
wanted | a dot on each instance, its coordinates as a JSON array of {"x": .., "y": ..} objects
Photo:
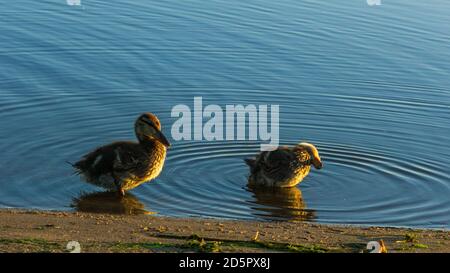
[
  {"x": 283, "y": 167},
  {"x": 124, "y": 165}
]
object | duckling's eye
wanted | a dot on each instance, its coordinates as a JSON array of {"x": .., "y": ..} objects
[{"x": 148, "y": 123}]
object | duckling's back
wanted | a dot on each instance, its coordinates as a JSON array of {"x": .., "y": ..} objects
[
  {"x": 122, "y": 165},
  {"x": 284, "y": 167}
]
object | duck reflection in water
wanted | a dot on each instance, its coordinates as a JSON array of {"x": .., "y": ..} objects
[
  {"x": 109, "y": 202},
  {"x": 280, "y": 204}
]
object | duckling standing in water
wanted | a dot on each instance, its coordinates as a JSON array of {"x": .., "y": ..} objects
[
  {"x": 283, "y": 167},
  {"x": 124, "y": 165}
]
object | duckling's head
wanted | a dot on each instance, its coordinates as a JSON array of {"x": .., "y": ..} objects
[
  {"x": 313, "y": 153},
  {"x": 148, "y": 127}
]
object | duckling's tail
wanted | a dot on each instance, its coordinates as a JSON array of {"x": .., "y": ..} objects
[
  {"x": 76, "y": 171},
  {"x": 251, "y": 162}
]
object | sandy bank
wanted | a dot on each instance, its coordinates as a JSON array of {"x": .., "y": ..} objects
[{"x": 42, "y": 231}]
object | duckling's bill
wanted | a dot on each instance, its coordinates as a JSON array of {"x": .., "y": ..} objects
[
  {"x": 317, "y": 163},
  {"x": 162, "y": 138}
]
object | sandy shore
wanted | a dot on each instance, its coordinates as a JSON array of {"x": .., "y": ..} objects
[{"x": 42, "y": 231}]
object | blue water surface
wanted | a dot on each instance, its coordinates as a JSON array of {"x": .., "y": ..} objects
[{"x": 369, "y": 85}]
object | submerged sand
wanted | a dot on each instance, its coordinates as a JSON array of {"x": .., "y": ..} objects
[{"x": 44, "y": 231}]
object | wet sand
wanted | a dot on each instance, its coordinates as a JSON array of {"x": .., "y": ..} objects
[{"x": 44, "y": 231}]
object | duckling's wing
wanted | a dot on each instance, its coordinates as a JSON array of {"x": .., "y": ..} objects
[
  {"x": 128, "y": 158},
  {"x": 251, "y": 162},
  {"x": 276, "y": 164},
  {"x": 96, "y": 162},
  {"x": 109, "y": 159}
]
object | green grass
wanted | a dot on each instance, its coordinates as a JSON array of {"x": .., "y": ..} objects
[
  {"x": 141, "y": 246},
  {"x": 43, "y": 245},
  {"x": 189, "y": 243},
  {"x": 411, "y": 238},
  {"x": 411, "y": 241},
  {"x": 199, "y": 244},
  {"x": 419, "y": 246},
  {"x": 282, "y": 247}
]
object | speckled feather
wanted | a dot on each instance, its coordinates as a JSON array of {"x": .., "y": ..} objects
[
  {"x": 284, "y": 167},
  {"x": 125, "y": 165}
]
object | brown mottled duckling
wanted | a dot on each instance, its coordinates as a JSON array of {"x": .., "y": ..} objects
[
  {"x": 283, "y": 167},
  {"x": 124, "y": 165}
]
